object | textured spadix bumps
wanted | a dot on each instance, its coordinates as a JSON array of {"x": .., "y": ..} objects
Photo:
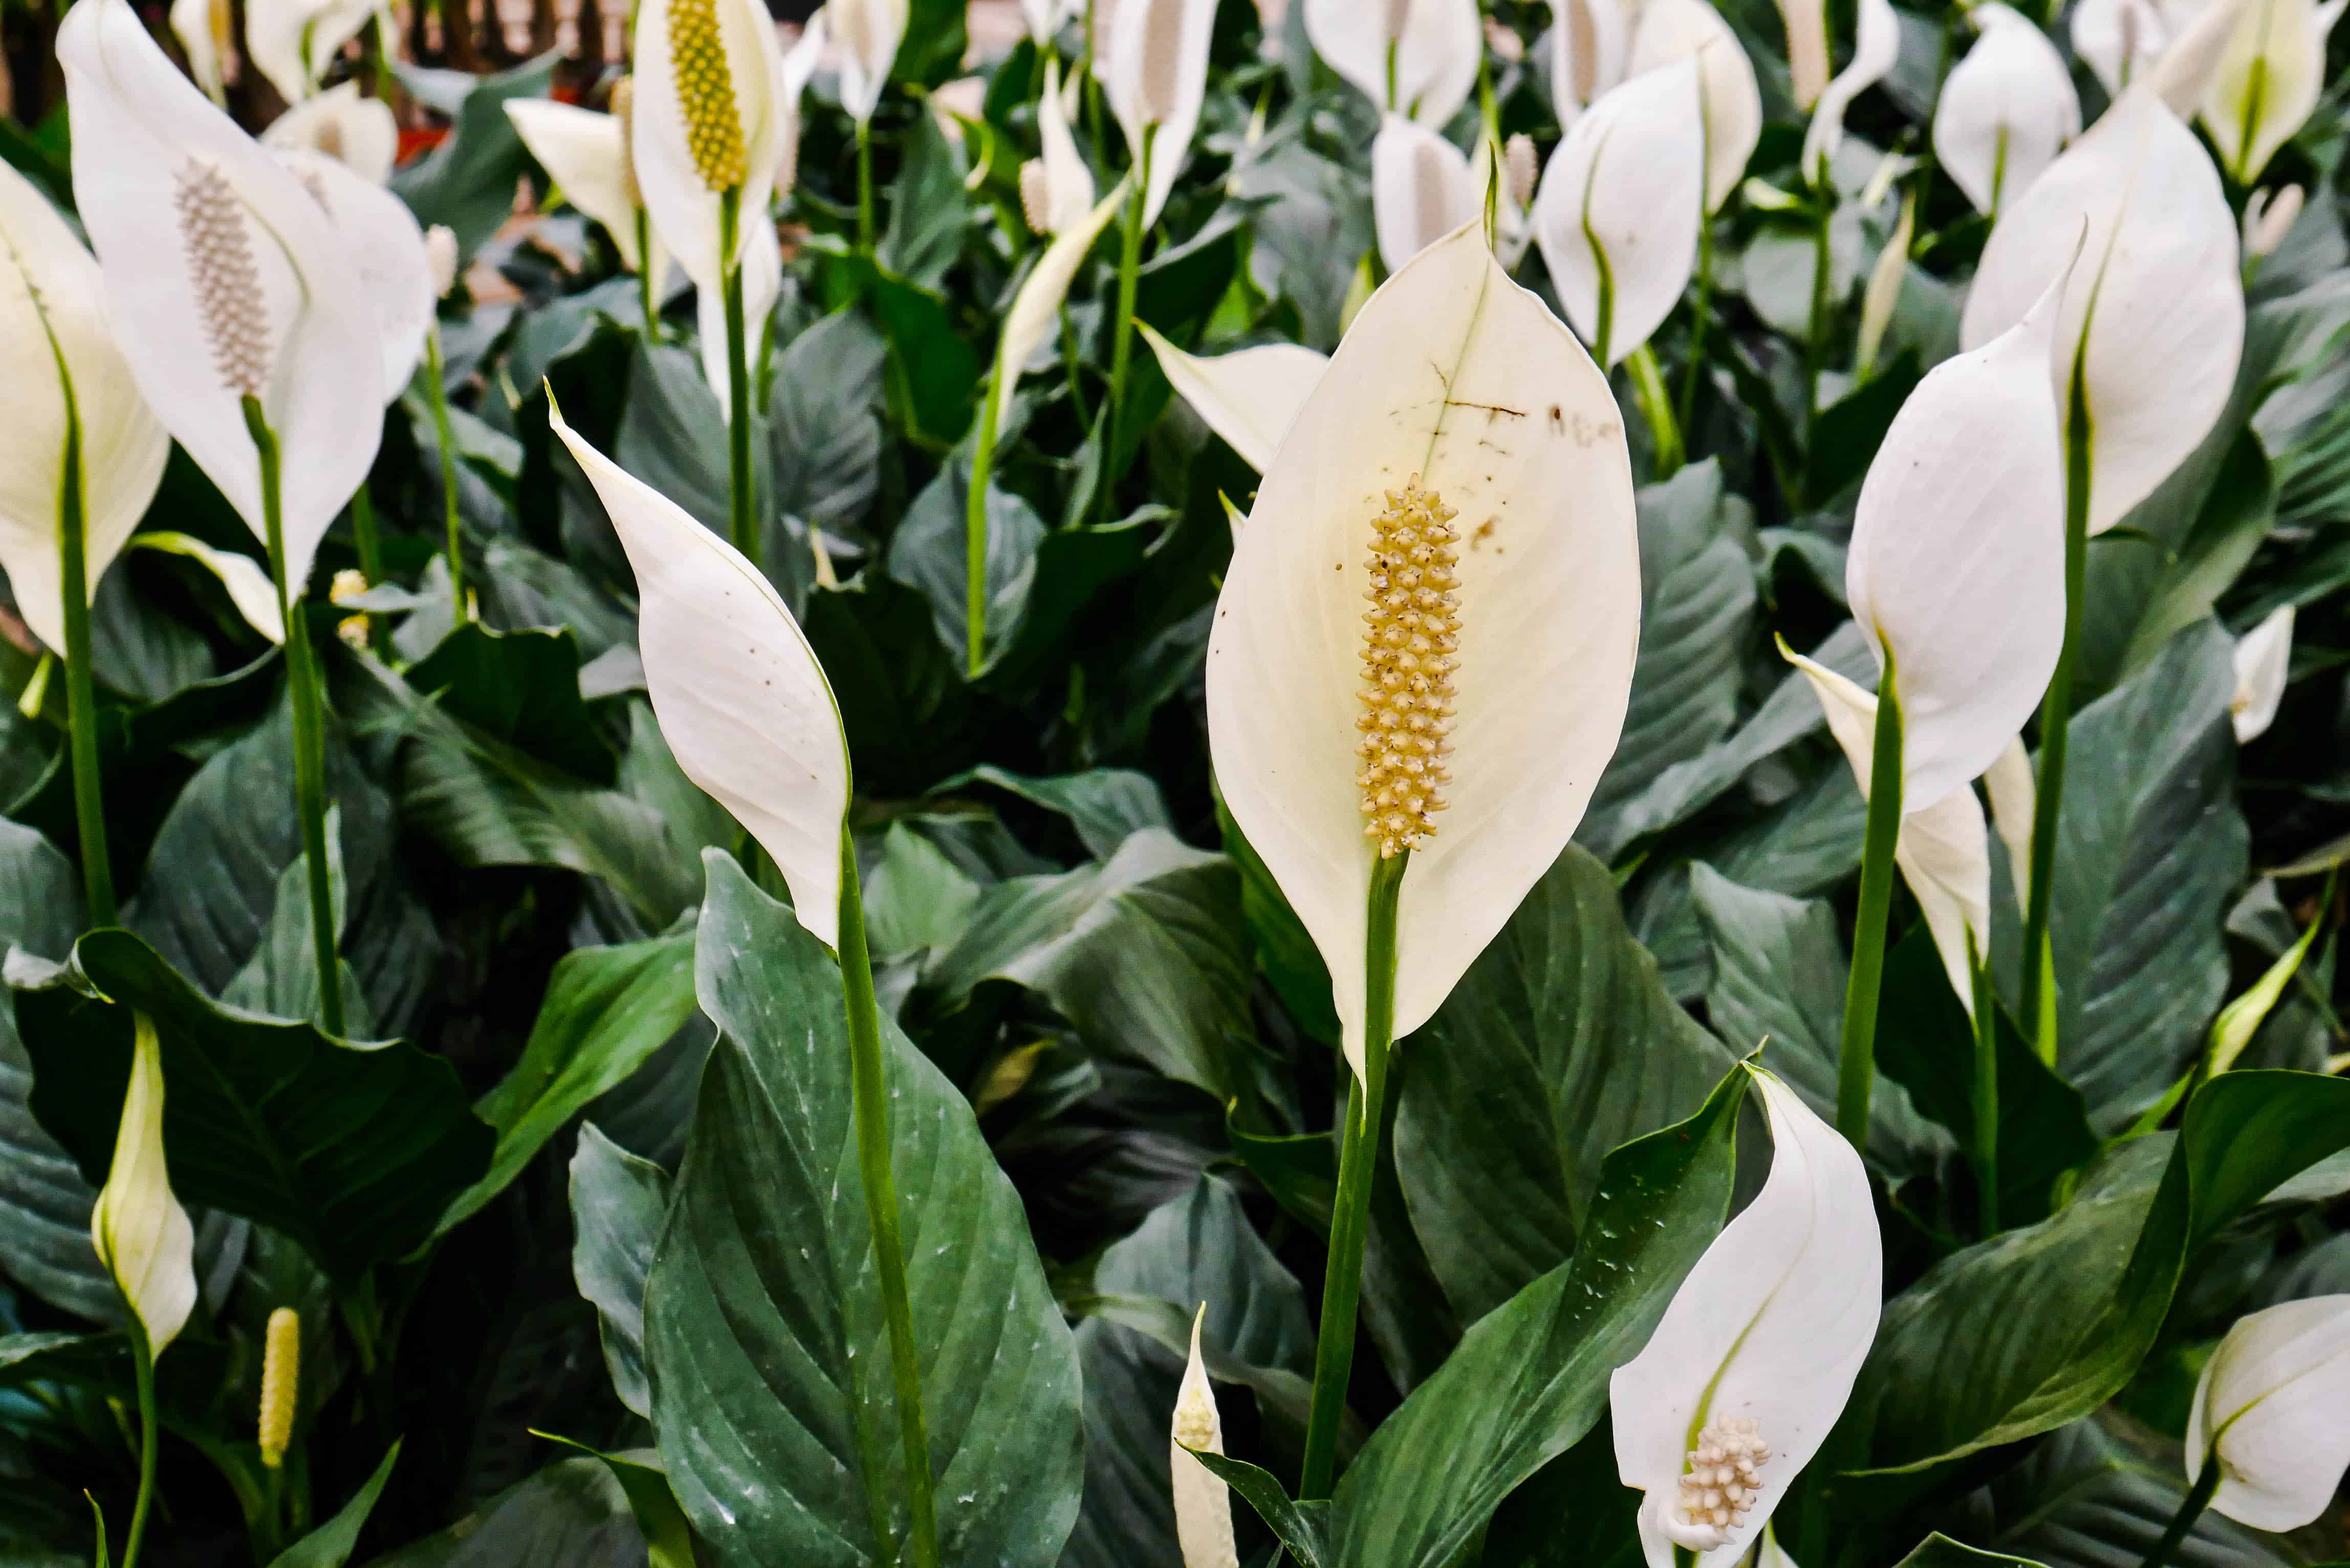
[
  {"x": 1456, "y": 377},
  {"x": 709, "y": 114}
]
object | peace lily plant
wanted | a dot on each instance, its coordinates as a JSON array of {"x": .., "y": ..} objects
[
  {"x": 589, "y": 158},
  {"x": 1418, "y": 59},
  {"x": 1407, "y": 769},
  {"x": 2007, "y": 110},
  {"x": 867, "y": 32},
  {"x": 2265, "y": 1442}
]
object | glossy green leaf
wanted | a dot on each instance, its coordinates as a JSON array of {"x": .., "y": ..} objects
[
  {"x": 518, "y": 687},
  {"x": 618, "y": 1204},
  {"x": 1939, "y": 1550},
  {"x": 1102, "y": 804},
  {"x": 572, "y": 1514},
  {"x": 331, "y": 1544},
  {"x": 468, "y": 182}
]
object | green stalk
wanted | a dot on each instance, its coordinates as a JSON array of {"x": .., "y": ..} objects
[
  {"x": 81, "y": 694},
  {"x": 648, "y": 285},
  {"x": 974, "y": 528},
  {"x": 1358, "y": 1159},
  {"x": 309, "y": 726},
  {"x": 436, "y": 387},
  {"x": 2055, "y": 723},
  {"x": 1606, "y": 328},
  {"x": 1657, "y": 408},
  {"x": 1815, "y": 347},
  {"x": 865, "y": 223},
  {"x": 741, "y": 523},
  {"x": 2190, "y": 1509},
  {"x": 142, "y": 1372},
  {"x": 1857, "y": 1071},
  {"x": 872, "y": 1094},
  {"x": 1986, "y": 1089},
  {"x": 1121, "y": 339},
  {"x": 1700, "y": 314},
  {"x": 370, "y": 546}
]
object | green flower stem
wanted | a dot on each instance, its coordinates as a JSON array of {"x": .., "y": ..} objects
[
  {"x": 309, "y": 726},
  {"x": 370, "y": 547},
  {"x": 974, "y": 527},
  {"x": 2190, "y": 1509},
  {"x": 1816, "y": 343},
  {"x": 648, "y": 285},
  {"x": 741, "y": 523},
  {"x": 872, "y": 1094},
  {"x": 142, "y": 1372},
  {"x": 1657, "y": 408},
  {"x": 436, "y": 388},
  {"x": 1121, "y": 338},
  {"x": 82, "y": 695},
  {"x": 1358, "y": 1159},
  {"x": 864, "y": 223},
  {"x": 2055, "y": 724},
  {"x": 1857, "y": 1072},
  {"x": 1700, "y": 316},
  {"x": 1986, "y": 1089}
]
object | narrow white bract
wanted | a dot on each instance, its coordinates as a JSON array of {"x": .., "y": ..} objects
[
  {"x": 1157, "y": 82},
  {"x": 2269, "y": 217},
  {"x": 2268, "y": 80},
  {"x": 1036, "y": 308},
  {"x": 587, "y": 155},
  {"x": 1807, "y": 48},
  {"x": 228, "y": 284},
  {"x": 1589, "y": 42},
  {"x": 2263, "y": 661},
  {"x": 868, "y": 33}
]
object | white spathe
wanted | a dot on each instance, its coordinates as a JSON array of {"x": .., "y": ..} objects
[
  {"x": 204, "y": 31},
  {"x": 1943, "y": 849},
  {"x": 1046, "y": 18},
  {"x": 1068, "y": 183},
  {"x": 358, "y": 132},
  {"x": 2153, "y": 313},
  {"x": 1770, "y": 1327},
  {"x": 584, "y": 154},
  {"x": 1203, "y": 1505},
  {"x": 2271, "y": 1398},
  {"x": 2006, "y": 110},
  {"x": 387, "y": 254},
  {"x": 2268, "y": 80},
  {"x": 867, "y": 32},
  {"x": 1156, "y": 76},
  {"x": 245, "y": 580},
  {"x": 138, "y": 128},
  {"x": 141, "y": 1233},
  {"x": 1956, "y": 568},
  {"x": 742, "y": 701},
  {"x": 1421, "y": 190},
  {"x": 2268, "y": 216},
  {"x": 2121, "y": 39},
  {"x": 292, "y": 42},
  {"x": 1621, "y": 206},
  {"x": 1453, "y": 374},
  {"x": 2263, "y": 659},
  {"x": 1589, "y": 43},
  {"x": 1729, "y": 100},
  {"x": 1036, "y": 308},
  {"x": 685, "y": 211},
  {"x": 54, "y": 329},
  {"x": 1806, "y": 22},
  {"x": 1416, "y": 58},
  {"x": 2014, "y": 800},
  {"x": 1250, "y": 396},
  {"x": 1877, "y": 45}
]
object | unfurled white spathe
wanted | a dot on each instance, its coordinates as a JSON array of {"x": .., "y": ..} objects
[
  {"x": 1415, "y": 57},
  {"x": 742, "y": 701},
  {"x": 387, "y": 253},
  {"x": 2006, "y": 109},
  {"x": 1250, "y": 396},
  {"x": 1203, "y": 1505},
  {"x": 1037, "y": 306},
  {"x": 2121, "y": 39},
  {"x": 2154, "y": 313},
  {"x": 146, "y": 140},
  {"x": 1620, "y": 208},
  {"x": 1156, "y": 79},
  {"x": 868, "y": 33},
  {"x": 1452, "y": 374},
  {"x": 2263, "y": 661},
  {"x": 2268, "y": 81},
  {"x": 141, "y": 1233},
  {"x": 1956, "y": 569},
  {"x": 358, "y": 132},
  {"x": 245, "y": 580},
  {"x": 1589, "y": 42},
  {"x": 292, "y": 42},
  {"x": 683, "y": 207},
  {"x": 54, "y": 331},
  {"x": 1068, "y": 183},
  {"x": 1730, "y": 102},
  {"x": 763, "y": 284},
  {"x": 2272, "y": 1398},
  {"x": 1877, "y": 45},
  {"x": 1421, "y": 190},
  {"x": 1943, "y": 848},
  {"x": 587, "y": 155},
  {"x": 1759, "y": 1347},
  {"x": 202, "y": 27}
]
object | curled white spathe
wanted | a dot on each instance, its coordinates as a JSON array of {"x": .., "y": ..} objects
[
  {"x": 1250, "y": 396},
  {"x": 1203, "y": 1504},
  {"x": 1037, "y": 306},
  {"x": 142, "y": 1235},
  {"x": 2263, "y": 661},
  {"x": 584, "y": 152},
  {"x": 358, "y": 132},
  {"x": 2006, "y": 110},
  {"x": 868, "y": 33},
  {"x": 742, "y": 700},
  {"x": 2271, "y": 1398},
  {"x": 387, "y": 253},
  {"x": 1589, "y": 42},
  {"x": 2267, "y": 81},
  {"x": 1453, "y": 374},
  {"x": 1421, "y": 190},
  {"x": 1729, "y": 100},
  {"x": 1875, "y": 47},
  {"x": 292, "y": 42},
  {"x": 1425, "y": 50},
  {"x": 1068, "y": 183}
]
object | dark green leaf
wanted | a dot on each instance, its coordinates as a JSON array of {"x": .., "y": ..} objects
[
  {"x": 928, "y": 207},
  {"x": 2233, "y": 522},
  {"x": 669, "y": 1539},
  {"x": 1939, "y": 1550},
  {"x": 1304, "y": 1527},
  {"x": 331, "y": 1544},
  {"x": 468, "y": 182},
  {"x": 1284, "y": 949},
  {"x": 1104, "y": 805},
  {"x": 575, "y": 1514},
  {"x": 518, "y": 687},
  {"x": 824, "y": 432},
  {"x": 930, "y": 554}
]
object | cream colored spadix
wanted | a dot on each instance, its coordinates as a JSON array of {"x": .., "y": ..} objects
[
  {"x": 1589, "y": 43},
  {"x": 2006, "y": 110},
  {"x": 387, "y": 254},
  {"x": 587, "y": 155},
  {"x": 2263, "y": 659},
  {"x": 1453, "y": 375},
  {"x": 2153, "y": 316},
  {"x": 1415, "y": 57},
  {"x": 1037, "y": 306},
  {"x": 1203, "y": 1505},
  {"x": 1421, "y": 190},
  {"x": 1876, "y": 45},
  {"x": 1757, "y": 1353},
  {"x": 1156, "y": 79},
  {"x": 1730, "y": 102},
  {"x": 1956, "y": 569},
  {"x": 1621, "y": 203},
  {"x": 2268, "y": 80},
  {"x": 2272, "y": 1397},
  {"x": 1943, "y": 849},
  {"x": 54, "y": 328},
  {"x": 141, "y": 1233},
  {"x": 868, "y": 33},
  {"x": 742, "y": 701},
  {"x": 1250, "y": 396},
  {"x": 1806, "y": 22},
  {"x": 358, "y": 132},
  {"x": 709, "y": 112},
  {"x": 203, "y": 233}
]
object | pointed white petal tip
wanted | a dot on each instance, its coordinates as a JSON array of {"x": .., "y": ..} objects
[{"x": 2263, "y": 662}]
